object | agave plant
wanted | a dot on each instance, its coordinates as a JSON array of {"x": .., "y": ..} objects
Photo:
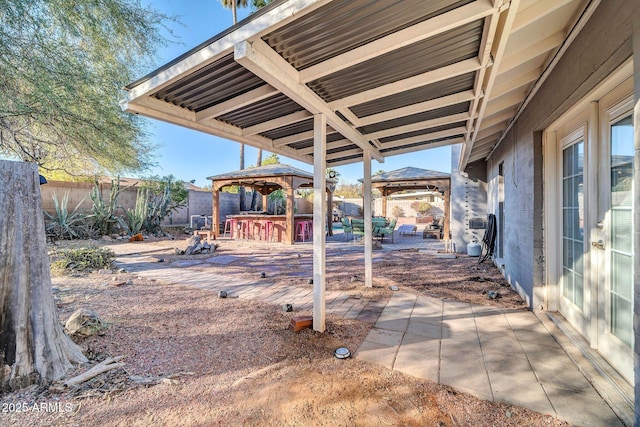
[{"x": 64, "y": 224}]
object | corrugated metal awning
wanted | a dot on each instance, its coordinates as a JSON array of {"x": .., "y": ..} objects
[{"x": 391, "y": 76}]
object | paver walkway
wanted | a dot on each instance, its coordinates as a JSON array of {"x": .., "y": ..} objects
[
  {"x": 498, "y": 355},
  {"x": 494, "y": 354}
]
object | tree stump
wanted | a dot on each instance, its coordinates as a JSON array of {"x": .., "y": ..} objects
[{"x": 33, "y": 345}]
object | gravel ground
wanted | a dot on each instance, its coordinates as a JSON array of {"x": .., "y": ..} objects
[{"x": 234, "y": 362}]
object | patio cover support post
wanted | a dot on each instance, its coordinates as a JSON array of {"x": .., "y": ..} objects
[
  {"x": 447, "y": 214},
  {"x": 290, "y": 232},
  {"x": 319, "y": 219},
  {"x": 368, "y": 232},
  {"x": 329, "y": 194}
]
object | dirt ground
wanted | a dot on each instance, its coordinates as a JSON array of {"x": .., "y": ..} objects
[{"x": 234, "y": 362}]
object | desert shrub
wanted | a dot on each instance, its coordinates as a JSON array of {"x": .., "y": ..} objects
[
  {"x": 397, "y": 211},
  {"x": 64, "y": 224},
  {"x": 422, "y": 207},
  {"x": 81, "y": 259}
]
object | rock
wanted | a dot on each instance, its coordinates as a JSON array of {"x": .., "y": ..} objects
[
  {"x": 137, "y": 238},
  {"x": 84, "y": 322},
  {"x": 179, "y": 251},
  {"x": 222, "y": 294},
  {"x": 115, "y": 236},
  {"x": 493, "y": 295},
  {"x": 105, "y": 271},
  {"x": 122, "y": 270},
  {"x": 129, "y": 282},
  {"x": 107, "y": 238},
  {"x": 119, "y": 283},
  {"x": 193, "y": 246}
]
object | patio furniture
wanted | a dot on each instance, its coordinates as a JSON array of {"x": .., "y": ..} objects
[
  {"x": 303, "y": 230},
  {"x": 435, "y": 233},
  {"x": 386, "y": 231},
  {"x": 346, "y": 227},
  {"x": 407, "y": 229}
]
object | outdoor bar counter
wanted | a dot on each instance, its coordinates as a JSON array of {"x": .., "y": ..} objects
[{"x": 275, "y": 227}]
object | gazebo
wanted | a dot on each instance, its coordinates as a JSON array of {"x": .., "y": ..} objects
[
  {"x": 265, "y": 180},
  {"x": 411, "y": 178}
]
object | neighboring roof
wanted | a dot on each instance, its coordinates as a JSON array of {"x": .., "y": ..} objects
[
  {"x": 390, "y": 76},
  {"x": 409, "y": 174},
  {"x": 263, "y": 171}
]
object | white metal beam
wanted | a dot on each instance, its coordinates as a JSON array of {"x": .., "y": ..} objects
[
  {"x": 433, "y": 76},
  {"x": 345, "y": 153},
  {"x": 421, "y": 31},
  {"x": 236, "y": 103},
  {"x": 261, "y": 60},
  {"x": 537, "y": 11},
  {"x": 497, "y": 52},
  {"x": 528, "y": 53},
  {"x": 445, "y": 101},
  {"x": 454, "y": 118},
  {"x": 167, "y": 112},
  {"x": 273, "y": 19},
  {"x": 429, "y": 146},
  {"x": 428, "y": 137},
  {"x": 330, "y": 145},
  {"x": 289, "y": 119}
]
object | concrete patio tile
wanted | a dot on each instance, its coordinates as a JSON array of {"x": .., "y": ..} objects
[
  {"x": 465, "y": 372},
  {"x": 513, "y": 382},
  {"x": 423, "y": 329},
  {"x": 582, "y": 408},
  {"x": 567, "y": 377},
  {"x": 421, "y": 361},
  {"x": 392, "y": 324},
  {"x": 503, "y": 344},
  {"x": 537, "y": 338},
  {"x": 377, "y": 353},
  {"x": 544, "y": 354},
  {"x": 388, "y": 338}
]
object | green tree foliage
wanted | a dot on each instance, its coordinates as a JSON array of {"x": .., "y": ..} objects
[
  {"x": 164, "y": 195},
  {"x": 348, "y": 191},
  {"x": 62, "y": 66},
  {"x": 271, "y": 159}
]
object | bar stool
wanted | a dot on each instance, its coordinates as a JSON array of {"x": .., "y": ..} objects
[
  {"x": 230, "y": 225},
  {"x": 266, "y": 230},
  {"x": 302, "y": 230},
  {"x": 244, "y": 228}
]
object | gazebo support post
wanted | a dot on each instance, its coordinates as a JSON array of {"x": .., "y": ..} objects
[
  {"x": 329, "y": 194},
  {"x": 319, "y": 217},
  {"x": 385, "y": 193},
  {"x": 215, "y": 212},
  {"x": 368, "y": 231},
  {"x": 290, "y": 232}
]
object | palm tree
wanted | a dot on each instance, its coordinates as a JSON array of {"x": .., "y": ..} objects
[{"x": 234, "y": 5}]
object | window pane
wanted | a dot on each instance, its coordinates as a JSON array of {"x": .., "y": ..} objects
[
  {"x": 621, "y": 319},
  {"x": 621, "y": 230}
]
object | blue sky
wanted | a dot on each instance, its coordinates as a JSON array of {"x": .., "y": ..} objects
[{"x": 191, "y": 155}]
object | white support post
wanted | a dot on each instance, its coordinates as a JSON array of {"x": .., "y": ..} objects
[
  {"x": 319, "y": 219},
  {"x": 368, "y": 231}
]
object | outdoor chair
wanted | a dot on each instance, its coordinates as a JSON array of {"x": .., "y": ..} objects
[
  {"x": 346, "y": 227},
  {"x": 357, "y": 227},
  {"x": 384, "y": 231}
]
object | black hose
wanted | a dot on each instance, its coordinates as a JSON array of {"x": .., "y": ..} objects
[{"x": 489, "y": 239}]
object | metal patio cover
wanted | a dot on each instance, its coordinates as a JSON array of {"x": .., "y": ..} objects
[{"x": 391, "y": 76}]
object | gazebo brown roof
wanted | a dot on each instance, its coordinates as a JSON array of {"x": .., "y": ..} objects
[{"x": 267, "y": 179}]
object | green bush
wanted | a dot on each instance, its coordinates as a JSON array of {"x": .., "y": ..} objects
[
  {"x": 81, "y": 259},
  {"x": 397, "y": 211}
]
